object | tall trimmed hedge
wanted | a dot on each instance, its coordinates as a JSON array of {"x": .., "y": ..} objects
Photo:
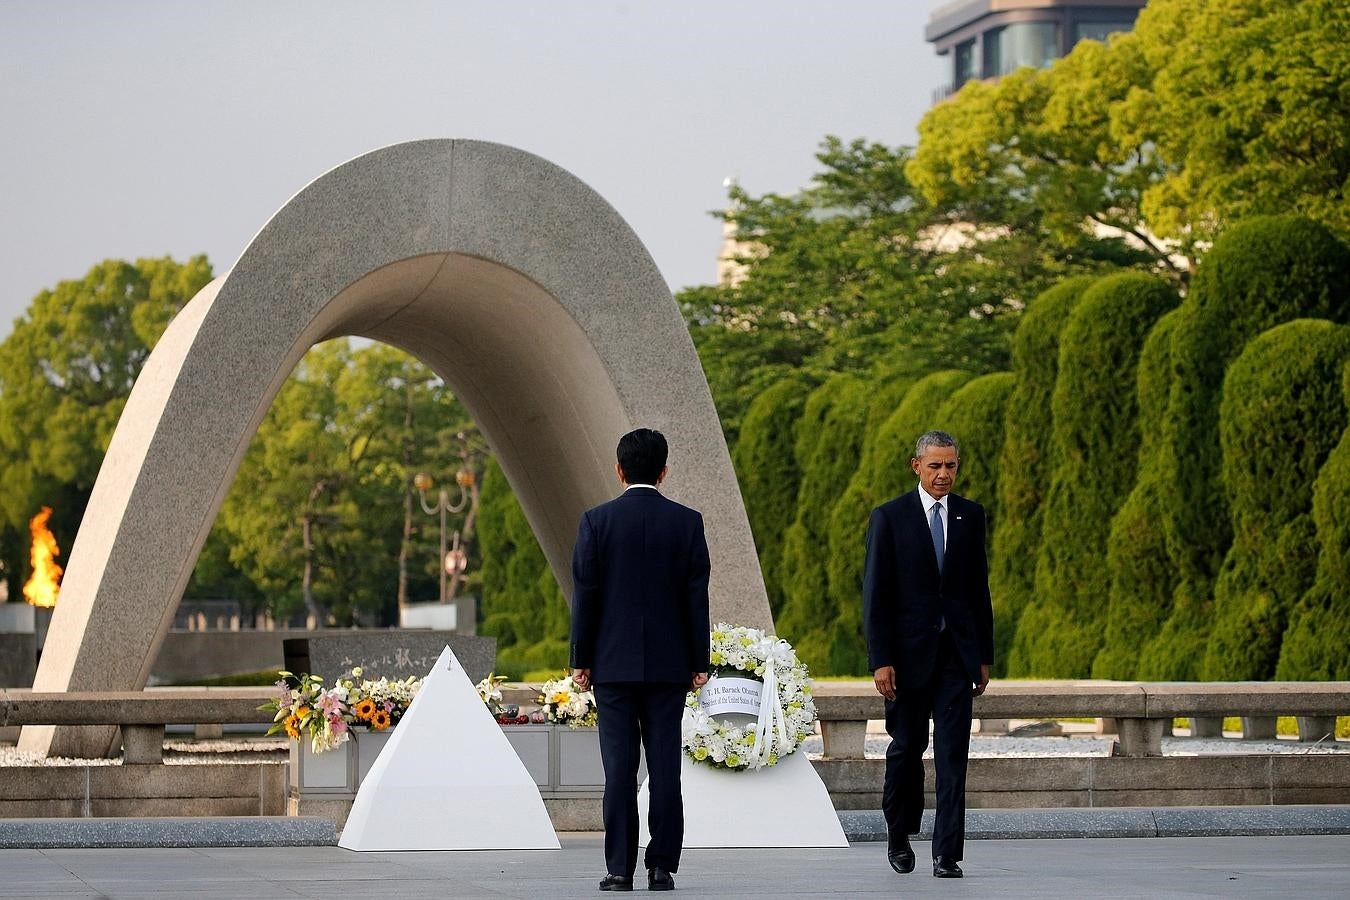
[
  {"x": 829, "y": 440},
  {"x": 1282, "y": 414},
  {"x": 883, "y": 473},
  {"x": 1260, "y": 273},
  {"x": 1023, "y": 465},
  {"x": 974, "y": 415},
  {"x": 1315, "y": 643},
  {"x": 1094, "y": 449},
  {"x": 523, "y": 608},
  {"x": 1137, "y": 564},
  {"x": 766, "y": 468}
]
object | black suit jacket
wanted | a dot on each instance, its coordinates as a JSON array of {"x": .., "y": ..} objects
[
  {"x": 640, "y": 597},
  {"x": 905, "y": 597}
]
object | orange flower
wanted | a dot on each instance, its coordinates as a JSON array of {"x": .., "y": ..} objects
[
  {"x": 365, "y": 709},
  {"x": 293, "y": 726},
  {"x": 379, "y": 720}
]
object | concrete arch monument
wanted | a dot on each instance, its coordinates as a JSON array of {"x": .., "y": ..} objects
[{"x": 513, "y": 280}]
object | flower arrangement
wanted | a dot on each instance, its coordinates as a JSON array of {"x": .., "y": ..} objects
[
  {"x": 751, "y": 653},
  {"x": 490, "y": 690},
  {"x": 306, "y": 709},
  {"x": 564, "y": 703}
]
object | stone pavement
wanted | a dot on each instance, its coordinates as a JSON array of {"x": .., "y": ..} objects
[{"x": 1295, "y": 866}]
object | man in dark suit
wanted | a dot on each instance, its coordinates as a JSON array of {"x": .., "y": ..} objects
[
  {"x": 640, "y": 636},
  {"x": 930, "y": 643}
]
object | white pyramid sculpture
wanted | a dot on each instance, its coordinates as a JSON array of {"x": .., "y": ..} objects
[
  {"x": 785, "y": 805},
  {"x": 448, "y": 779}
]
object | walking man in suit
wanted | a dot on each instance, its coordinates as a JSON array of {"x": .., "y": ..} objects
[
  {"x": 640, "y": 637},
  {"x": 930, "y": 642}
]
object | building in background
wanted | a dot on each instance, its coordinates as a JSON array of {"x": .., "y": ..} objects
[{"x": 989, "y": 38}]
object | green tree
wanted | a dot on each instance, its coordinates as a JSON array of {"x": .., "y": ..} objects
[
  {"x": 829, "y": 438},
  {"x": 1282, "y": 414},
  {"x": 65, "y": 372},
  {"x": 974, "y": 415},
  {"x": 1139, "y": 569},
  {"x": 1245, "y": 100},
  {"x": 883, "y": 473},
  {"x": 1094, "y": 448},
  {"x": 522, "y": 606},
  {"x": 768, "y": 473},
  {"x": 1319, "y": 626},
  {"x": 1024, "y": 462},
  {"x": 1259, "y": 274}
]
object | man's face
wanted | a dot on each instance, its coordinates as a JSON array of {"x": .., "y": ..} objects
[{"x": 936, "y": 470}]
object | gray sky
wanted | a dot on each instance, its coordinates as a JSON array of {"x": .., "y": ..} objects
[{"x": 134, "y": 129}]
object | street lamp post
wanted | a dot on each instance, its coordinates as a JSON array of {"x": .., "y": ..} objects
[{"x": 453, "y": 560}]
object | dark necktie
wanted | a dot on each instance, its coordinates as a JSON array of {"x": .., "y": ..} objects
[{"x": 935, "y": 525}]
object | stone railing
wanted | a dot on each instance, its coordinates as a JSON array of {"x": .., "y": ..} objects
[
  {"x": 1143, "y": 712},
  {"x": 141, "y": 714}
]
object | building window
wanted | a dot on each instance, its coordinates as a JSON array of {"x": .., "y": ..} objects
[
  {"x": 1098, "y": 31},
  {"x": 1033, "y": 44},
  {"x": 964, "y": 61}
]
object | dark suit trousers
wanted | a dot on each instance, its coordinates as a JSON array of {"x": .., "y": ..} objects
[
  {"x": 947, "y": 699},
  {"x": 631, "y": 712}
]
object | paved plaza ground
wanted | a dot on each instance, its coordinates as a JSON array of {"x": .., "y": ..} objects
[{"x": 1154, "y": 868}]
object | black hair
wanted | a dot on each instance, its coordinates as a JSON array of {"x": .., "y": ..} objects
[{"x": 642, "y": 456}]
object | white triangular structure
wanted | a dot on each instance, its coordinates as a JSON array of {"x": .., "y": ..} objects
[
  {"x": 448, "y": 779},
  {"x": 785, "y": 805}
]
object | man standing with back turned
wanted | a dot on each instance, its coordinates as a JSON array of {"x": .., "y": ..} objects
[
  {"x": 640, "y": 636},
  {"x": 930, "y": 643}
]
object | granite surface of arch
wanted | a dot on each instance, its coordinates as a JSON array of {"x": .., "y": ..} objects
[{"x": 508, "y": 276}]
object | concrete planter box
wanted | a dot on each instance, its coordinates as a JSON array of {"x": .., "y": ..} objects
[
  {"x": 564, "y": 762},
  {"x": 338, "y": 771}
]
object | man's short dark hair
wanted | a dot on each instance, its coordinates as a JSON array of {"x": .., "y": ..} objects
[{"x": 642, "y": 456}]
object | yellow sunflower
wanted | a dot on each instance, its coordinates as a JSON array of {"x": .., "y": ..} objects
[
  {"x": 560, "y": 697},
  {"x": 365, "y": 709},
  {"x": 293, "y": 726},
  {"x": 379, "y": 720}
]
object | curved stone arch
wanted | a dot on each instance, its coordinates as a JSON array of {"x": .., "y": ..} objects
[{"x": 509, "y": 277}]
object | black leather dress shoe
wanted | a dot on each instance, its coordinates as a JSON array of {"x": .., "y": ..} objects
[
  {"x": 658, "y": 879},
  {"x": 946, "y": 867},
  {"x": 616, "y": 883},
  {"x": 899, "y": 853}
]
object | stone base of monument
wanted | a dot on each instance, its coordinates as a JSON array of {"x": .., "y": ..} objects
[{"x": 780, "y": 806}]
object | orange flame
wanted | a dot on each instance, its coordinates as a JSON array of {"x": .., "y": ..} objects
[{"x": 43, "y": 586}]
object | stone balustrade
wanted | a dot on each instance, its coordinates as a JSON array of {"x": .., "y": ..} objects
[
  {"x": 1142, "y": 711},
  {"x": 141, "y": 714}
]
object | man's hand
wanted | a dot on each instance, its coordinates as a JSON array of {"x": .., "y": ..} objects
[
  {"x": 983, "y": 682},
  {"x": 583, "y": 678},
  {"x": 699, "y": 680},
  {"x": 884, "y": 679}
]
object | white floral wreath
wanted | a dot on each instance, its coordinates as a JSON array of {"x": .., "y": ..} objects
[{"x": 751, "y": 653}]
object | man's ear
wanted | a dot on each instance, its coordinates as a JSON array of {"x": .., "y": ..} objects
[
  {"x": 618, "y": 470},
  {"x": 662, "y": 477}
]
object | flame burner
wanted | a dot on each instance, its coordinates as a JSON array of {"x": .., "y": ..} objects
[{"x": 45, "y": 582}]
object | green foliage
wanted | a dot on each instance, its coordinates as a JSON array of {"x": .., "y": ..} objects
[
  {"x": 767, "y": 470},
  {"x": 1246, "y": 102},
  {"x": 974, "y": 415},
  {"x": 1094, "y": 448},
  {"x": 1024, "y": 465},
  {"x": 1139, "y": 569},
  {"x": 65, "y": 372},
  {"x": 1319, "y": 625},
  {"x": 829, "y": 440},
  {"x": 522, "y": 606},
  {"x": 1260, "y": 273},
  {"x": 316, "y": 514},
  {"x": 1281, "y": 416},
  {"x": 884, "y": 472}
]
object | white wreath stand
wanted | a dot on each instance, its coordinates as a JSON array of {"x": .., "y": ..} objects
[
  {"x": 777, "y": 806},
  {"x": 448, "y": 779}
]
